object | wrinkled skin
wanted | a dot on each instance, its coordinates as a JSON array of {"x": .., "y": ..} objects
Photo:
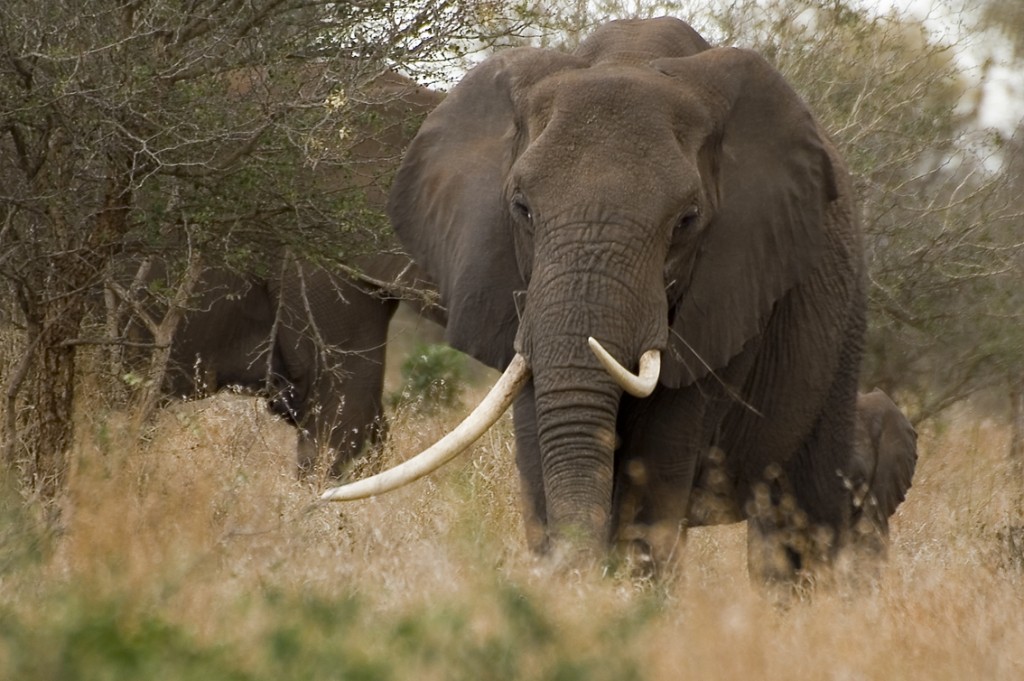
[
  {"x": 652, "y": 192},
  {"x": 310, "y": 341}
]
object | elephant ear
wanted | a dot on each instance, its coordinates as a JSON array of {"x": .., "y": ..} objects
[
  {"x": 447, "y": 206},
  {"x": 895, "y": 445},
  {"x": 775, "y": 184}
]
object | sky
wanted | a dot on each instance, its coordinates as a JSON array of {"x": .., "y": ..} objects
[{"x": 1002, "y": 105}]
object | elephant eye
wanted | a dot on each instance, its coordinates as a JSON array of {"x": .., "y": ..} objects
[
  {"x": 521, "y": 210},
  {"x": 689, "y": 218}
]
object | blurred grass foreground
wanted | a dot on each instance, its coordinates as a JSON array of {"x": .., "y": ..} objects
[{"x": 199, "y": 556}]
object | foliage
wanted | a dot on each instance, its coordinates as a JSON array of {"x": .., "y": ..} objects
[
  {"x": 304, "y": 638},
  {"x": 221, "y": 133},
  {"x": 433, "y": 377},
  {"x": 1008, "y": 17},
  {"x": 248, "y": 580}
]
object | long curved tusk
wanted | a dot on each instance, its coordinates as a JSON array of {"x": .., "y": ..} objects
[
  {"x": 637, "y": 385},
  {"x": 447, "y": 448}
]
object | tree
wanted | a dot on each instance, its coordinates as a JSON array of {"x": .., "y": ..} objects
[
  {"x": 205, "y": 133},
  {"x": 1006, "y": 16}
]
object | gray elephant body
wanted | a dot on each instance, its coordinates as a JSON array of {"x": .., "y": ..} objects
[
  {"x": 311, "y": 341},
  {"x": 652, "y": 192}
]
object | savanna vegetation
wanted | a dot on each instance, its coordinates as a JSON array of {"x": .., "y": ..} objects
[
  {"x": 198, "y": 555},
  {"x": 178, "y": 544}
]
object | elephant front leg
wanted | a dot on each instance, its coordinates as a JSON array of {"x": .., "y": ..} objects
[
  {"x": 800, "y": 511},
  {"x": 531, "y": 478},
  {"x": 655, "y": 469},
  {"x": 653, "y": 497}
]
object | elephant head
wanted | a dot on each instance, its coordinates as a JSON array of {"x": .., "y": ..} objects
[{"x": 645, "y": 201}]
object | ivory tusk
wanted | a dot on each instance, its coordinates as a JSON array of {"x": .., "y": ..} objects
[
  {"x": 637, "y": 385},
  {"x": 447, "y": 448}
]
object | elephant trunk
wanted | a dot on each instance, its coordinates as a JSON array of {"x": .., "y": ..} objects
[
  {"x": 577, "y": 400},
  {"x": 576, "y": 433}
]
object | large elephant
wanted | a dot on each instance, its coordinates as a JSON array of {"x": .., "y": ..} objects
[
  {"x": 653, "y": 200},
  {"x": 310, "y": 340}
]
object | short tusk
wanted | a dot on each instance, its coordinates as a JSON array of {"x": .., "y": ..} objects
[
  {"x": 447, "y": 448},
  {"x": 637, "y": 385}
]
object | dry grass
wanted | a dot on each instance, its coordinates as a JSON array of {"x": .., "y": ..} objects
[{"x": 199, "y": 555}]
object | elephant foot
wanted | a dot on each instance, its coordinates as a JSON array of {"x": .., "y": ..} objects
[
  {"x": 537, "y": 539},
  {"x": 636, "y": 560},
  {"x": 862, "y": 555},
  {"x": 569, "y": 560},
  {"x": 652, "y": 551},
  {"x": 789, "y": 565},
  {"x": 869, "y": 536}
]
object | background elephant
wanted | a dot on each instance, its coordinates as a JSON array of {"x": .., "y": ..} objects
[
  {"x": 675, "y": 202},
  {"x": 885, "y": 456},
  {"x": 312, "y": 341},
  {"x": 879, "y": 472}
]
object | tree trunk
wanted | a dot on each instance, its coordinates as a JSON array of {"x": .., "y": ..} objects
[
  {"x": 53, "y": 389},
  {"x": 163, "y": 333},
  {"x": 12, "y": 387},
  {"x": 39, "y": 399},
  {"x": 53, "y": 296}
]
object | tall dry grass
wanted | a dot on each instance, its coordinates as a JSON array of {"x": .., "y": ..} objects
[{"x": 199, "y": 555}]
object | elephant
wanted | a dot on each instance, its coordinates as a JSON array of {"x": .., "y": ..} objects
[
  {"x": 659, "y": 245},
  {"x": 311, "y": 340},
  {"x": 882, "y": 468},
  {"x": 879, "y": 473}
]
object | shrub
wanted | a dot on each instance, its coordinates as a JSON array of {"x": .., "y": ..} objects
[{"x": 433, "y": 376}]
